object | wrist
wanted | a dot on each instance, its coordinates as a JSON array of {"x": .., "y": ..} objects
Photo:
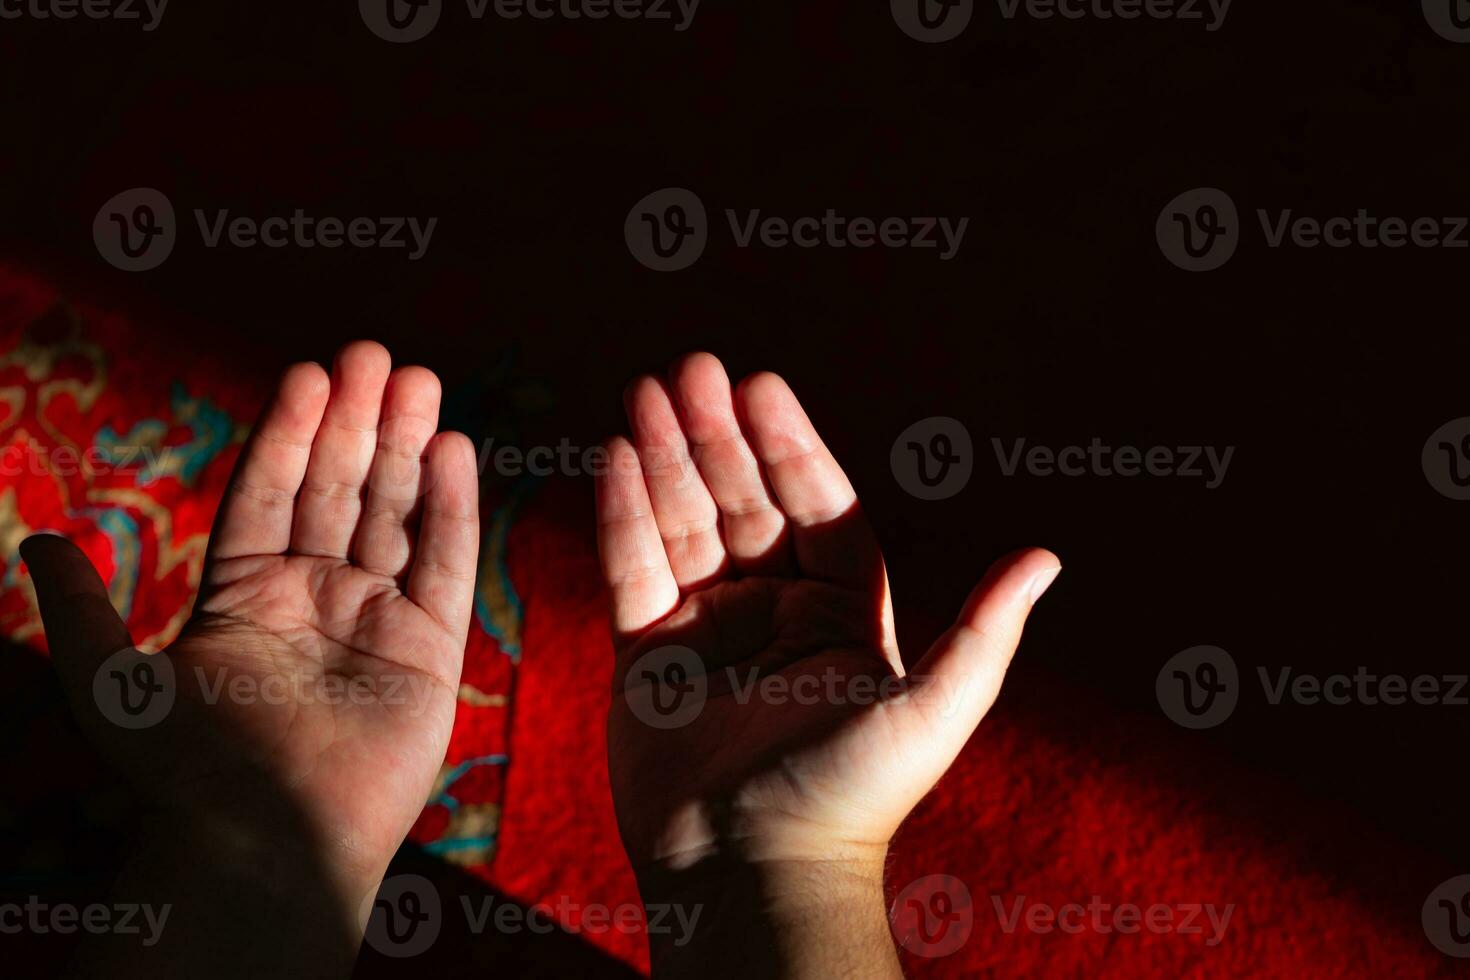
[
  {"x": 270, "y": 851},
  {"x": 792, "y": 917},
  {"x": 234, "y": 896}
]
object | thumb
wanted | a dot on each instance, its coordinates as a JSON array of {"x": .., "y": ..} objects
[
  {"x": 82, "y": 628},
  {"x": 958, "y": 680}
]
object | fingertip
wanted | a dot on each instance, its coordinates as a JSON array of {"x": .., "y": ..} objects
[
  {"x": 618, "y": 445},
  {"x": 39, "y": 543},
  {"x": 365, "y": 354},
  {"x": 452, "y": 473},
  {"x": 762, "y": 389},
  {"x": 643, "y": 393},
  {"x": 1040, "y": 569},
  {"x": 774, "y": 419},
  {"x": 1031, "y": 559},
  {"x": 765, "y": 399},
  {"x": 1022, "y": 575},
  {"x": 58, "y": 567},
  {"x": 306, "y": 380},
  {"x": 697, "y": 364},
  {"x": 453, "y": 450},
  {"x": 416, "y": 384}
]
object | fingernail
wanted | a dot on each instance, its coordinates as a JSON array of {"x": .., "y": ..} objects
[{"x": 1042, "y": 582}]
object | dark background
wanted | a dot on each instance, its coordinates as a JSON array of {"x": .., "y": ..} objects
[{"x": 1059, "y": 320}]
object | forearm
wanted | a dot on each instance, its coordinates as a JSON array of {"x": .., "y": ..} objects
[
  {"x": 809, "y": 920},
  {"x": 229, "y": 895}
]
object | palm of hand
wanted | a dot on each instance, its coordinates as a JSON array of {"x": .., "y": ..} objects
[
  {"x": 319, "y": 672},
  {"x": 727, "y": 528},
  {"x": 793, "y": 738}
]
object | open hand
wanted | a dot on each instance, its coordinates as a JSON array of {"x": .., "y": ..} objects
[
  {"x": 744, "y": 576},
  {"x": 322, "y": 660}
]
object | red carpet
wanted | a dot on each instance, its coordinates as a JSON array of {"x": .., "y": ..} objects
[{"x": 1058, "y": 800}]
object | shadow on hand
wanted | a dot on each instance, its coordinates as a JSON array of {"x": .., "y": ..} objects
[
  {"x": 84, "y": 883},
  {"x": 471, "y": 930}
]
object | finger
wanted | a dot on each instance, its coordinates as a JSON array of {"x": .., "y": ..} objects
[
  {"x": 831, "y": 537},
  {"x": 957, "y": 681},
  {"x": 331, "y": 496},
  {"x": 255, "y": 515},
  {"x": 688, "y": 521},
  {"x": 82, "y": 628},
  {"x": 383, "y": 542},
  {"x": 633, "y": 561},
  {"x": 442, "y": 579},
  {"x": 753, "y": 527}
]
